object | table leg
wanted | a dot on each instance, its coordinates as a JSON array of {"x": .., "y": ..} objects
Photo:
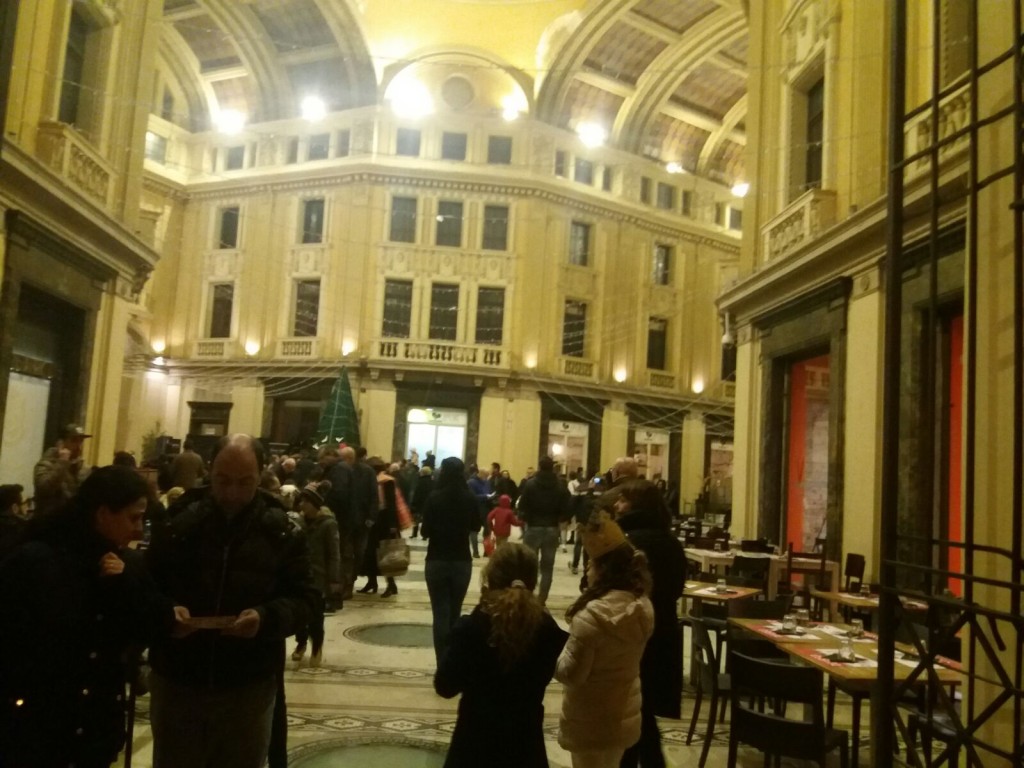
[
  {"x": 855, "y": 735},
  {"x": 773, "y": 578}
]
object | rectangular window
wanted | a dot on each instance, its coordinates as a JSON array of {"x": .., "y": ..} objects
[
  {"x": 234, "y": 158},
  {"x": 560, "y": 163},
  {"x": 657, "y": 343},
  {"x": 307, "y": 307},
  {"x": 579, "y": 244},
  {"x": 815, "y": 134},
  {"x": 222, "y": 297},
  {"x": 645, "y": 190},
  {"x": 407, "y": 143},
  {"x": 666, "y": 196},
  {"x": 499, "y": 150},
  {"x": 490, "y": 315},
  {"x": 735, "y": 219},
  {"x": 687, "y": 206},
  {"x": 156, "y": 147},
  {"x": 662, "y": 272},
  {"x": 344, "y": 143},
  {"x": 495, "y": 228},
  {"x": 397, "y": 309},
  {"x": 167, "y": 106},
  {"x": 227, "y": 236},
  {"x": 313, "y": 220},
  {"x": 606, "y": 179},
  {"x": 453, "y": 146},
  {"x": 444, "y": 311},
  {"x": 583, "y": 172},
  {"x": 74, "y": 70},
  {"x": 574, "y": 329},
  {"x": 720, "y": 209},
  {"x": 319, "y": 147},
  {"x": 403, "y": 220},
  {"x": 449, "y": 223},
  {"x": 292, "y": 155}
]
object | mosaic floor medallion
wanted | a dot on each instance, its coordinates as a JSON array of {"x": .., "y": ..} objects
[{"x": 393, "y": 635}]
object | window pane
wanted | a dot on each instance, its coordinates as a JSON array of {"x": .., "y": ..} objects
[
  {"x": 574, "y": 329},
  {"x": 408, "y": 142},
  {"x": 645, "y": 189},
  {"x": 74, "y": 69},
  {"x": 495, "y": 228},
  {"x": 815, "y": 134},
  {"x": 319, "y": 147},
  {"x": 490, "y": 315},
  {"x": 449, "y": 223},
  {"x": 235, "y": 159},
  {"x": 307, "y": 307},
  {"x": 313, "y": 221},
  {"x": 228, "y": 228},
  {"x": 666, "y": 196},
  {"x": 499, "y": 150},
  {"x": 397, "y": 309},
  {"x": 167, "y": 106},
  {"x": 559, "y": 163},
  {"x": 657, "y": 338},
  {"x": 444, "y": 311},
  {"x": 403, "y": 220},
  {"x": 222, "y": 296},
  {"x": 579, "y": 244},
  {"x": 156, "y": 147},
  {"x": 687, "y": 206},
  {"x": 293, "y": 151},
  {"x": 735, "y": 219},
  {"x": 453, "y": 146},
  {"x": 584, "y": 172},
  {"x": 662, "y": 264},
  {"x": 344, "y": 142},
  {"x": 606, "y": 180}
]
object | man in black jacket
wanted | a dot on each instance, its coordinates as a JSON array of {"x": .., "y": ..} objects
[
  {"x": 231, "y": 557},
  {"x": 543, "y": 504}
]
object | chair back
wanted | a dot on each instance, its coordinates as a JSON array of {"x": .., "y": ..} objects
[
  {"x": 778, "y": 682},
  {"x": 753, "y": 569},
  {"x": 704, "y": 656},
  {"x": 756, "y": 545},
  {"x": 853, "y": 570}
]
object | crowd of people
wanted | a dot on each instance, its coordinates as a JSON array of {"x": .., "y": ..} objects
[{"x": 247, "y": 550}]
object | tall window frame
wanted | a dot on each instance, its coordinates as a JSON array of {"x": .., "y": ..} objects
[
  {"x": 581, "y": 243},
  {"x": 312, "y": 221},
  {"x": 402, "y": 227},
  {"x": 574, "y": 328},
  {"x": 450, "y": 216},
  {"x": 306, "y": 293},
  {"x": 219, "y": 322},
  {"x": 396, "y": 315}
]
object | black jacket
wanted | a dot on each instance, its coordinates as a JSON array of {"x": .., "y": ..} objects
[
  {"x": 544, "y": 501},
  {"x": 449, "y": 516},
  {"x": 501, "y": 713},
  {"x": 364, "y": 493},
  {"x": 661, "y": 669},
  {"x": 65, "y": 635},
  {"x": 217, "y": 567},
  {"x": 339, "y": 498}
]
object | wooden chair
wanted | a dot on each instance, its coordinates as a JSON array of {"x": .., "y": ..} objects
[
  {"x": 757, "y": 545},
  {"x": 772, "y": 733},
  {"x": 853, "y": 571},
  {"x": 812, "y": 574},
  {"x": 753, "y": 569},
  {"x": 709, "y": 681}
]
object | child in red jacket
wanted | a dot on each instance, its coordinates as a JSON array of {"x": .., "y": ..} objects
[{"x": 502, "y": 518}]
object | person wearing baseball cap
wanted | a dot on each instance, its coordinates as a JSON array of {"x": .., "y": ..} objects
[{"x": 58, "y": 473}]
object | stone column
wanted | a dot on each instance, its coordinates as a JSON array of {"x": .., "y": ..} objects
[
  {"x": 509, "y": 430},
  {"x": 614, "y": 433},
  {"x": 103, "y": 407},
  {"x": 247, "y": 411},
  {"x": 377, "y": 403},
  {"x": 691, "y": 463}
]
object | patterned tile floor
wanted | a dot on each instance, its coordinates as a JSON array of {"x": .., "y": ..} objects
[{"x": 376, "y": 704}]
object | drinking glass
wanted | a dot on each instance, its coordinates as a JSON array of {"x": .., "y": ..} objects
[
  {"x": 865, "y": 589},
  {"x": 789, "y": 622},
  {"x": 803, "y": 617},
  {"x": 720, "y": 586},
  {"x": 846, "y": 650},
  {"x": 857, "y": 628}
]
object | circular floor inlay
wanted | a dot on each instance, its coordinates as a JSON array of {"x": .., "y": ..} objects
[
  {"x": 393, "y": 635},
  {"x": 396, "y": 755}
]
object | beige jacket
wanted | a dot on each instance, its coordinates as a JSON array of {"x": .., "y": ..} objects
[{"x": 600, "y": 667}]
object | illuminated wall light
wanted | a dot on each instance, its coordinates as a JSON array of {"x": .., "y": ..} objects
[
  {"x": 675, "y": 168},
  {"x": 557, "y": 449},
  {"x": 229, "y": 121},
  {"x": 740, "y": 189},
  {"x": 620, "y": 375},
  {"x": 410, "y": 98},
  {"x": 252, "y": 348},
  {"x": 530, "y": 360},
  {"x": 513, "y": 105},
  {"x": 697, "y": 386},
  {"x": 159, "y": 346},
  {"x": 348, "y": 347},
  {"x": 591, "y": 134},
  {"x": 313, "y": 109}
]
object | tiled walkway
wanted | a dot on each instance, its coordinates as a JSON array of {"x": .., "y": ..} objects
[{"x": 376, "y": 705}]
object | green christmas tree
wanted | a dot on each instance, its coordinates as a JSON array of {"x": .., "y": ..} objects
[{"x": 339, "y": 421}]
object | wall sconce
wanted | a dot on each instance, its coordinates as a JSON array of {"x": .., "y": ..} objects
[
  {"x": 697, "y": 386},
  {"x": 159, "y": 346},
  {"x": 619, "y": 375},
  {"x": 348, "y": 346},
  {"x": 530, "y": 360},
  {"x": 252, "y": 348}
]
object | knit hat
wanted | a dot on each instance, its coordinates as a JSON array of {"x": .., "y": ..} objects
[
  {"x": 424, "y": 471},
  {"x": 312, "y": 493},
  {"x": 505, "y": 500},
  {"x": 602, "y": 535}
]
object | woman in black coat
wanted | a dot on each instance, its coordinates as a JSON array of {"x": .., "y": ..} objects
[
  {"x": 73, "y": 605},
  {"x": 641, "y": 513},
  {"x": 501, "y": 658},
  {"x": 385, "y": 526}
]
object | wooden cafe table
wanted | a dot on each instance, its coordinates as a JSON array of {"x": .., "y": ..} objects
[
  {"x": 862, "y": 603},
  {"x": 820, "y": 641},
  {"x": 712, "y": 560}
]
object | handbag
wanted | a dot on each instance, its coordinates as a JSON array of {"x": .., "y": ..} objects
[
  {"x": 392, "y": 557},
  {"x": 489, "y": 545},
  {"x": 402, "y": 509}
]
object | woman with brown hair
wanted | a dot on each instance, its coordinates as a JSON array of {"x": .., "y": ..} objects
[{"x": 501, "y": 658}]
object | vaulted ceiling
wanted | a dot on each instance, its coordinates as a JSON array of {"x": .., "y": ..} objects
[{"x": 667, "y": 78}]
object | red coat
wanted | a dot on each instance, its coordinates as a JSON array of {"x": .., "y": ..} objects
[{"x": 501, "y": 520}]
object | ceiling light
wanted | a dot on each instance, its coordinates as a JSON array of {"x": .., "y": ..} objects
[
  {"x": 229, "y": 121},
  {"x": 410, "y": 98},
  {"x": 740, "y": 189},
  {"x": 591, "y": 134},
  {"x": 675, "y": 167},
  {"x": 313, "y": 109}
]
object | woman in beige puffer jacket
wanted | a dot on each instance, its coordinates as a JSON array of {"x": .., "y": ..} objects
[{"x": 610, "y": 624}]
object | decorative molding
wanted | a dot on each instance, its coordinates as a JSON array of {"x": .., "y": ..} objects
[
  {"x": 799, "y": 224},
  {"x": 224, "y": 264},
  {"x": 412, "y": 260},
  {"x": 308, "y": 260},
  {"x": 578, "y": 281},
  {"x": 865, "y": 282}
]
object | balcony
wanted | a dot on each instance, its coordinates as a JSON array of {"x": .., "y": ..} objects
[
  {"x": 799, "y": 224},
  {"x": 661, "y": 380},
  {"x": 440, "y": 352},
  {"x": 954, "y": 113},
  {"x": 725, "y": 390},
  {"x": 576, "y": 367},
  {"x": 303, "y": 348},
  {"x": 64, "y": 150},
  {"x": 212, "y": 349}
]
